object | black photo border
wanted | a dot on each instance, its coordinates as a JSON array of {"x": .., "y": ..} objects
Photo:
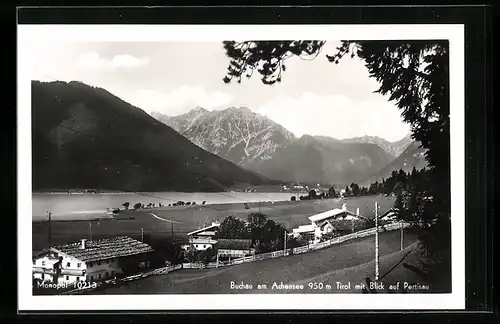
[{"x": 479, "y": 114}]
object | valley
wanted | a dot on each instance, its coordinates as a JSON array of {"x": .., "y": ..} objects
[{"x": 258, "y": 144}]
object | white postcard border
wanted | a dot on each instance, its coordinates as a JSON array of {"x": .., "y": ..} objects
[{"x": 30, "y": 34}]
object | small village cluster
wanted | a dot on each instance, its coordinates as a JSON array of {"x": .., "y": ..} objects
[{"x": 107, "y": 259}]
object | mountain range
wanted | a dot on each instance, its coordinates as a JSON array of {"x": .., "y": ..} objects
[
  {"x": 412, "y": 156},
  {"x": 85, "y": 137},
  {"x": 393, "y": 148},
  {"x": 324, "y": 160},
  {"x": 235, "y": 134},
  {"x": 261, "y": 145}
]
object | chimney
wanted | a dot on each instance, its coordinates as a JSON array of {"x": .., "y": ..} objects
[
  {"x": 357, "y": 211},
  {"x": 83, "y": 245}
]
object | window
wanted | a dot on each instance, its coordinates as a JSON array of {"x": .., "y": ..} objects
[
  {"x": 99, "y": 276},
  {"x": 67, "y": 277},
  {"x": 77, "y": 279},
  {"x": 91, "y": 278},
  {"x": 34, "y": 262},
  {"x": 78, "y": 265},
  {"x": 43, "y": 263},
  {"x": 204, "y": 245},
  {"x": 68, "y": 264}
]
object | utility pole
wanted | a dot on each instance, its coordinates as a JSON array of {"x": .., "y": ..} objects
[
  {"x": 142, "y": 235},
  {"x": 50, "y": 229},
  {"x": 172, "y": 230},
  {"x": 401, "y": 226},
  {"x": 284, "y": 246},
  {"x": 90, "y": 231},
  {"x": 376, "y": 243},
  {"x": 259, "y": 207}
]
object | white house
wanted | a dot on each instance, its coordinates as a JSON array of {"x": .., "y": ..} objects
[
  {"x": 322, "y": 223},
  {"x": 89, "y": 260},
  {"x": 204, "y": 238}
]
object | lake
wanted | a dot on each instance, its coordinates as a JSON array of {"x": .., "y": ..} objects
[{"x": 86, "y": 206}]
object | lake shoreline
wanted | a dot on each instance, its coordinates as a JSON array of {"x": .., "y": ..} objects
[
  {"x": 125, "y": 214},
  {"x": 222, "y": 206},
  {"x": 89, "y": 206}
]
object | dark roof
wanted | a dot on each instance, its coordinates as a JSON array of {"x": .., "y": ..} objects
[
  {"x": 105, "y": 249},
  {"x": 234, "y": 244}
]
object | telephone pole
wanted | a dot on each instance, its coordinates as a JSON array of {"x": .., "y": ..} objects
[
  {"x": 50, "y": 228},
  {"x": 90, "y": 231},
  {"x": 376, "y": 243},
  {"x": 172, "y": 230},
  {"x": 402, "y": 230},
  {"x": 142, "y": 235},
  {"x": 284, "y": 246}
]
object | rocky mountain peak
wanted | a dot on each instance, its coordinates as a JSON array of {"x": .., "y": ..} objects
[{"x": 237, "y": 133}]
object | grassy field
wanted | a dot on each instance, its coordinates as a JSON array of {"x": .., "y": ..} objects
[
  {"x": 350, "y": 261},
  {"x": 188, "y": 218}
]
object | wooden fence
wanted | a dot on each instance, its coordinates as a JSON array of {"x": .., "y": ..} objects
[
  {"x": 317, "y": 246},
  {"x": 162, "y": 271},
  {"x": 200, "y": 265}
]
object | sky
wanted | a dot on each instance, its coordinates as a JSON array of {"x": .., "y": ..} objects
[{"x": 315, "y": 97}]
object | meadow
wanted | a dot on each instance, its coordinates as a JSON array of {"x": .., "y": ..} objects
[{"x": 177, "y": 221}]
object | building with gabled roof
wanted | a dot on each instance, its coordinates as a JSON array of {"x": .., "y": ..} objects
[
  {"x": 323, "y": 222},
  {"x": 204, "y": 238},
  {"x": 90, "y": 260}
]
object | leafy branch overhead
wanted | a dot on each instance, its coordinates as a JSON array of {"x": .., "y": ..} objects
[
  {"x": 414, "y": 74},
  {"x": 267, "y": 57}
]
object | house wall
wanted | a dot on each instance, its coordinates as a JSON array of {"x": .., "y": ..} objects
[
  {"x": 74, "y": 270},
  {"x": 203, "y": 243},
  {"x": 317, "y": 233},
  {"x": 69, "y": 264},
  {"x": 103, "y": 270},
  {"x": 202, "y": 247}
]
